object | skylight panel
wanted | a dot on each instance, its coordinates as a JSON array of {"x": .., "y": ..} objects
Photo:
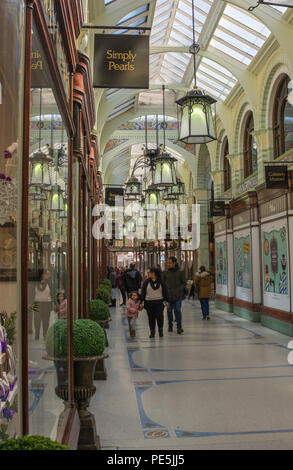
[
  {"x": 182, "y": 39},
  {"x": 133, "y": 14},
  {"x": 212, "y": 74},
  {"x": 160, "y": 19},
  {"x": 218, "y": 67},
  {"x": 230, "y": 52},
  {"x": 188, "y": 9},
  {"x": 216, "y": 94},
  {"x": 243, "y": 33},
  {"x": 212, "y": 83},
  {"x": 250, "y": 50},
  {"x": 246, "y": 19}
]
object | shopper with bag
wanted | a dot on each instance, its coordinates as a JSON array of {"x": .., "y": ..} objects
[
  {"x": 203, "y": 286},
  {"x": 154, "y": 294},
  {"x": 133, "y": 306}
]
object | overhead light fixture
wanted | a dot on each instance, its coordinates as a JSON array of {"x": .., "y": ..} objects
[
  {"x": 196, "y": 110},
  {"x": 56, "y": 199},
  {"x": 152, "y": 195},
  {"x": 133, "y": 189},
  {"x": 276, "y": 3},
  {"x": 39, "y": 162},
  {"x": 164, "y": 174}
]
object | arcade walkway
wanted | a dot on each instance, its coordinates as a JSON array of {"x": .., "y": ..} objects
[{"x": 223, "y": 384}]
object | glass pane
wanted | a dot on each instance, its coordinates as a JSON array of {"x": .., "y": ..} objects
[
  {"x": 288, "y": 126},
  {"x": 11, "y": 112},
  {"x": 47, "y": 249}
]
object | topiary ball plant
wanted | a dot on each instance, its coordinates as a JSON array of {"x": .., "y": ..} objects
[
  {"x": 99, "y": 310},
  {"x": 104, "y": 295},
  {"x": 107, "y": 281},
  {"x": 31, "y": 443},
  {"x": 88, "y": 339}
]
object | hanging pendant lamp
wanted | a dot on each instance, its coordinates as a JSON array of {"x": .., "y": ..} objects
[
  {"x": 152, "y": 195},
  {"x": 40, "y": 162},
  {"x": 196, "y": 111},
  {"x": 164, "y": 164},
  {"x": 133, "y": 189}
]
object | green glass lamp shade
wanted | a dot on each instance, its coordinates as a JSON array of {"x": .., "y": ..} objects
[
  {"x": 39, "y": 171},
  {"x": 178, "y": 188},
  {"x": 37, "y": 194},
  {"x": 64, "y": 213},
  {"x": 196, "y": 118},
  {"x": 152, "y": 195},
  {"x": 57, "y": 201},
  {"x": 133, "y": 189},
  {"x": 169, "y": 195},
  {"x": 164, "y": 170}
]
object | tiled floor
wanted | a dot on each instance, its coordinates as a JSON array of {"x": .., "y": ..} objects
[{"x": 223, "y": 384}]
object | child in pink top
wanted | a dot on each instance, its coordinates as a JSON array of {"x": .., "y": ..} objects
[
  {"x": 133, "y": 306},
  {"x": 61, "y": 306}
]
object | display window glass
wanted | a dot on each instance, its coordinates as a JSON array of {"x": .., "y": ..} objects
[
  {"x": 11, "y": 98},
  {"x": 47, "y": 251}
]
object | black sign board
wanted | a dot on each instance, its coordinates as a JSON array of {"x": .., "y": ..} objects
[
  {"x": 111, "y": 194},
  {"x": 277, "y": 177},
  {"x": 217, "y": 208},
  {"x": 121, "y": 61},
  {"x": 144, "y": 245}
]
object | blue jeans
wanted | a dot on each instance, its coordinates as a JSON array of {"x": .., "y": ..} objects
[
  {"x": 177, "y": 310},
  {"x": 205, "y": 307}
]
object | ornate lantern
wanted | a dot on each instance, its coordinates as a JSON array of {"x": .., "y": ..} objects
[{"x": 133, "y": 189}]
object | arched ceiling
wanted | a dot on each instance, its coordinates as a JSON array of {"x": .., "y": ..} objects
[{"x": 231, "y": 39}]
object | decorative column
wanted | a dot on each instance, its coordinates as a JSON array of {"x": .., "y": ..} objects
[
  {"x": 290, "y": 234},
  {"x": 255, "y": 251},
  {"x": 203, "y": 251}
]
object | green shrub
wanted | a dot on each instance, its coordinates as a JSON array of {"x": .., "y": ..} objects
[
  {"x": 107, "y": 282},
  {"x": 10, "y": 327},
  {"x": 99, "y": 310},
  {"x": 88, "y": 339},
  {"x": 106, "y": 286},
  {"x": 104, "y": 295},
  {"x": 31, "y": 443}
]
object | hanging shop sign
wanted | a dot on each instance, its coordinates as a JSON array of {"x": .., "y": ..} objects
[
  {"x": 121, "y": 61},
  {"x": 144, "y": 245},
  {"x": 111, "y": 194},
  {"x": 217, "y": 208},
  {"x": 277, "y": 177}
]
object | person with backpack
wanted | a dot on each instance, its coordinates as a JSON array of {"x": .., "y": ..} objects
[
  {"x": 175, "y": 281},
  {"x": 203, "y": 285},
  {"x": 131, "y": 279}
]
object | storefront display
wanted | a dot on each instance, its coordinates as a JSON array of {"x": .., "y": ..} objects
[
  {"x": 221, "y": 267},
  {"x": 275, "y": 265},
  {"x": 242, "y": 251}
]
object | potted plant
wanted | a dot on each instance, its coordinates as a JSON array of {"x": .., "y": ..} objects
[
  {"x": 104, "y": 294},
  {"x": 31, "y": 443},
  {"x": 88, "y": 346},
  {"x": 99, "y": 312}
]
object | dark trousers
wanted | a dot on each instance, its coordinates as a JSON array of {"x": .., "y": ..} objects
[
  {"x": 155, "y": 311},
  {"x": 205, "y": 307},
  {"x": 123, "y": 293},
  {"x": 42, "y": 317}
]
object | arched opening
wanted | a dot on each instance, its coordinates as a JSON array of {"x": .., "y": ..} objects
[
  {"x": 282, "y": 119},
  {"x": 249, "y": 146}
]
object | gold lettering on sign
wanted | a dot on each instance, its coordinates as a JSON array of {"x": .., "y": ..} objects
[
  {"x": 37, "y": 58},
  {"x": 127, "y": 58}
]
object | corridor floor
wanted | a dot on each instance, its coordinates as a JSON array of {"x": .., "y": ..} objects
[{"x": 223, "y": 384}]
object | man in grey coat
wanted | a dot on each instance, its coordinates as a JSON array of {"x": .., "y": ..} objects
[{"x": 175, "y": 281}]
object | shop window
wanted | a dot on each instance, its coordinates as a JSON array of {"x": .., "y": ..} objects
[
  {"x": 11, "y": 85},
  {"x": 282, "y": 119},
  {"x": 47, "y": 249},
  {"x": 249, "y": 146},
  {"x": 226, "y": 165}
]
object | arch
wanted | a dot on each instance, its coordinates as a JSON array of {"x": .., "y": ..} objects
[{"x": 277, "y": 68}]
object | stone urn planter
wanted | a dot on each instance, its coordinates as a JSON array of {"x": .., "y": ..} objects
[{"x": 89, "y": 344}]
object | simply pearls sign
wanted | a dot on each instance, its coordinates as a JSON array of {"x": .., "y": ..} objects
[{"x": 121, "y": 61}]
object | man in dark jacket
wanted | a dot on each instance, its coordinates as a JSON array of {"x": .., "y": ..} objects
[
  {"x": 175, "y": 281},
  {"x": 131, "y": 279}
]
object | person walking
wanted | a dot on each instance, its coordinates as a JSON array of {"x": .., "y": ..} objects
[
  {"x": 175, "y": 281},
  {"x": 154, "y": 295},
  {"x": 131, "y": 279},
  {"x": 112, "y": 278},
  {"x": 133, "y": 306},
  {"x": 203, "y": 279},
  {"x": 43, "y": 299},
  {"x": 120, "y": 285}
]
